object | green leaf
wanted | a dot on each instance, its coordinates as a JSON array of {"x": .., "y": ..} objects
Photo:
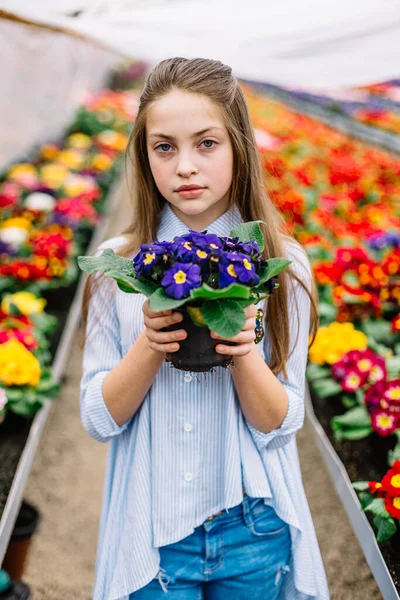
[
  {"x": 159, "y": 301},
  {"x": 365, "y": 498},
  {"x": 131, "y": 285},
  {"x": 249, "y": 232},
  {"x": 274, "y": 267},
  {"x": 108, "y": 261},
  {"x": 235, "y": 290},
  {"x": 356, "y": 417},
  {"x": 386, "y": 528},
  {"x": 24, "y": 409},
  {"x": 327, "y": 311},
  {"x": 348, "y": 402},
  {"x": 326, "y": 387},
  {"x": 377, "y": 507},
  {"x": 360, "y": 485},
  {"x": 358, "y": 433},
  {"x": 393, "y": 366},
  {"x": 378, "y": 330},
  {"x": 225, "y": 317},
  {"x": 14, "y": 394},
  {"x": 315, "y": 371},
  {"x": 394, "y": 454}
]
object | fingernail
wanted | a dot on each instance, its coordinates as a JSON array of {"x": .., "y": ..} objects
[{"x": 176, "y": 317}]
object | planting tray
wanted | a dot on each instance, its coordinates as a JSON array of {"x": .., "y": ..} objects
[
  {"x": 387, "y": 581},
  {"x": 20, "y": 440}
]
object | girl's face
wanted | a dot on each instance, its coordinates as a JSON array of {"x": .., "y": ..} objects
[{"x": 189, "y": 145}]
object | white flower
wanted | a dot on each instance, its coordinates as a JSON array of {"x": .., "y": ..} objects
[
  {"x": 40, "y": 201},
  {"x": 3, "y": 399},
  {"x": 15, "y": 236}
]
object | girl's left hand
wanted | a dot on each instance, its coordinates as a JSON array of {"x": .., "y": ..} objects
[{"x": 244, "y": 340}]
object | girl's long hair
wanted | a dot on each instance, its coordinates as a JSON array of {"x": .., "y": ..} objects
[{"x": 213, "y": 79}]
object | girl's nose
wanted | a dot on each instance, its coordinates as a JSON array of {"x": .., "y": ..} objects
[{"x": 186, "y": 167}]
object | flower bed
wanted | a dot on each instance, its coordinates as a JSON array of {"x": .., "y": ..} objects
[
  {"x": 340, "y": 199},
  {"x": 49, "y": 208}
]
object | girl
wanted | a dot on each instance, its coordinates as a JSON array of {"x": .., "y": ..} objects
[{"x": 203, "y": 495}]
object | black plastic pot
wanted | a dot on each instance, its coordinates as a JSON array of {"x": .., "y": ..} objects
[
  {"x": 197, "y": 351},
  {"x": 18, "y": 548}
]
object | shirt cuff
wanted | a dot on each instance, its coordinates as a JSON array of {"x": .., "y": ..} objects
[
  {"x": 292, "y": 422},
  {"x": 96, "y": 417}
]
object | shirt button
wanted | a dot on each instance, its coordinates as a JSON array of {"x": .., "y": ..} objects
[
  {"x": 188, "y": 427},
  {"x": 188, "y": 476},
  {"x": 188, "y": 378}
]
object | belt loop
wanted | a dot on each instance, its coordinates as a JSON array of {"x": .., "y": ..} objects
[{"x": 246, "y": 510}]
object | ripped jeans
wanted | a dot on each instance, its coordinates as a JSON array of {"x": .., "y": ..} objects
[{"x": 240, "y": 554}]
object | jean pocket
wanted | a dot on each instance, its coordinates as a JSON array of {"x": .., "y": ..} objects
[{"x": 265, "y": 522}]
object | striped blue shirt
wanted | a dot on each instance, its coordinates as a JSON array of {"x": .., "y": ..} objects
[{"x": 188, "y": 452}]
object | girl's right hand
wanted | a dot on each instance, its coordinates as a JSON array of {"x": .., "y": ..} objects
[{"x": 162, "y": 341}]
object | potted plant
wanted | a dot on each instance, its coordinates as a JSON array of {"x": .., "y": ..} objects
[{"x": 210, "y": 279}]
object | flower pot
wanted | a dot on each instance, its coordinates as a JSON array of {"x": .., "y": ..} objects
[
  {"x": 197, "y": 351},
  {"x": 17, "y": 551}
]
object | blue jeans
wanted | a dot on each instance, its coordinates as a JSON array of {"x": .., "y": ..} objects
[{"x": 240, "y": 554}]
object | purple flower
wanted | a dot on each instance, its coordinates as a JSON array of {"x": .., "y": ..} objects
[
  {"x": 237, "y": 268},
  {"x": 180, "y": 279},
  {"x": 6, "y": 249},
  {"x": 151, "y": 256}
]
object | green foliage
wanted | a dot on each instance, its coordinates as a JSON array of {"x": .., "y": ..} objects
[
  {"x": 355, "y": 424},
  {"x": 108, "y": 261},
  {"x": 249, "y": 232},
  {"x": 225, "y": 317},
  {"x": 326, "y": 387}
]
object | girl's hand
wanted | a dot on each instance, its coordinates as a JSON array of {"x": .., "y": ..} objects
[
  {"x": 244, "y": 339},
  {"x": 162, "y": 341}
]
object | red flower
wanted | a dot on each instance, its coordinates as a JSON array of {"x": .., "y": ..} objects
[
  {"x": 392, "y": 505},
  {"x": 391, "y": 481},
  {"x": 396, "y": 324},
  {"x": 384, "y": 424},
  {"x": 375, "y": 487}
]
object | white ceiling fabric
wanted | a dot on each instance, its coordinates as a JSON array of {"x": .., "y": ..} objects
[{"x": 330, "y": 44}]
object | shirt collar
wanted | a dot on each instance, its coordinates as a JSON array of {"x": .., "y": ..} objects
[{"x": 171, "y": 226}]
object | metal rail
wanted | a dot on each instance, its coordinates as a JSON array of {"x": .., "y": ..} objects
[{"x": 22, "y": 472}]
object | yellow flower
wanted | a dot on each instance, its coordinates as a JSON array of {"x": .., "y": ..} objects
[
  {"x": 102, "y": 162},
  {"x": 53, "y": 175},
  {"x": 332, "y": 342},
  {"x": 113, "y": 139},
  {"x": 71, "y": 158},
  {"x": 49, "y": 151},
  {"x": 77, "y": 184},
  {"x": 19, "y": 222},
  {"x": 18, "y": 366},
  {"x": 21, "y": 170},
  {"x": 79, "y": 140},
  {"x": 27, "y": 303}
]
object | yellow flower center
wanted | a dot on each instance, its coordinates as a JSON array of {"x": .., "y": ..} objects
[
  {"x": 395, "y": 481},
  {"x": 231, "y": 271},
  {"x": 187, "y": 246},
  {"x": 149, "y": 258},
  {"x": 385, "y": 421},
  {"x": 180, "y": 277},
  {"x": 213, "y": 246},
  {"x": 247, "y": 264},
  {"x": 201, "y": 254},
  {"x": 394, "y": 393},
  {"x": 364, "y": 365},
  {"x": 378, "y": 486},
  {"x": 353, "y": 380},
  {"x": 396, "y": 502}
]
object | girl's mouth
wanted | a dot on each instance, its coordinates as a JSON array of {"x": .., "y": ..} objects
[{"x": 193, "y": 193}]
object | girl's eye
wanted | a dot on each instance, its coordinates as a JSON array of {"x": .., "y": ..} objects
[
  {"x": 209, "y": 143},
  {"x": 163, "y": 148}
]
